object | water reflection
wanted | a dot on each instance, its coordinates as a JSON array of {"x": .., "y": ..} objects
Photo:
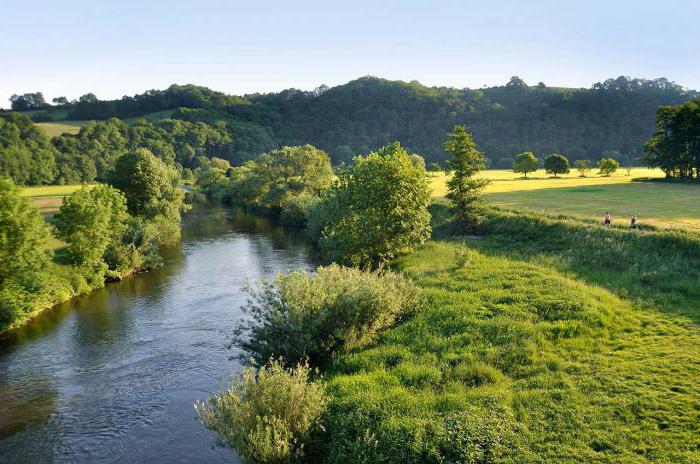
[{"x": 111, "y": 376}]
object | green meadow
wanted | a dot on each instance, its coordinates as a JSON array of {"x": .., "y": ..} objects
[{"x": 544, "y": 340}]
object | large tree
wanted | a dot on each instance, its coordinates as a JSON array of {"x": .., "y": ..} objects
[
  {"x": 152, "y": 189},
  {"x": 377, "y": 210},
  {"x": 465, "y": 190}
]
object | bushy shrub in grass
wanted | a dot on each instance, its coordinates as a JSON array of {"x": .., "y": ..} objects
[
  {"x": 299, "y": 316},
  {"x": 267, "y": 416}
]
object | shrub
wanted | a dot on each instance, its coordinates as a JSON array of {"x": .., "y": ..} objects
[
  {"x": 299, "y": 316},
  {"x": 296, "y": 212},
  {"x": 266, "y": 418},
  {"x": 462, "y": 256},
  {"x": 607, "y": 166}
]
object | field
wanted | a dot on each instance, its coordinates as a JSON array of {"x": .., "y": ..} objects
[
  {"x": 53, "y": 129},
  {"x": 660, "y": 204},
  {"x": 557, "y": 341},
  {"x": 48, "y": 198}
]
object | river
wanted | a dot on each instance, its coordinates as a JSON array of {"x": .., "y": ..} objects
[{"x": 111, "y": 376}]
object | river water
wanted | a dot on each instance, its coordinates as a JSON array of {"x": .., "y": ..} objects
[{"x": 111, "y": 376}]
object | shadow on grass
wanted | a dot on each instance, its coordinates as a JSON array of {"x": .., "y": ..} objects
[{"x": 660, "y": 268}]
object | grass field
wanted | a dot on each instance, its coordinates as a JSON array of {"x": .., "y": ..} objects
[
  {"x": 48, "y": 198},
  {"x": 53, "y": 129},
  {"x": 558, "y": 341},
  {"x": 660, "y": 204}
]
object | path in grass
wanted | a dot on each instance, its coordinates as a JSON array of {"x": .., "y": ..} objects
[{"x": 661, "y": 204}]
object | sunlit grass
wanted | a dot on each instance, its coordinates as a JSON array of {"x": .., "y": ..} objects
[
  {"x": 569, "y": 372},
  {"x": 656, "y": 203},
  {"x": 53, "y": 129}
]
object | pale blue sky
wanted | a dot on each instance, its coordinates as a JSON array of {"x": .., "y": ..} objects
[{"x": 114, "y": 48}]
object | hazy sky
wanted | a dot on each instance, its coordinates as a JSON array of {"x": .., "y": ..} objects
[{"x": 115, "y": 48}]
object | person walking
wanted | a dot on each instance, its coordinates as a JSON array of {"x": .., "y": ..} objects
[
  {"x": 607, "y": 221},
  {"x": 633, "y": 222}
]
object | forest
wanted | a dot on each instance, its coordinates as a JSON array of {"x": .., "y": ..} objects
[{"x": 615, "y": 116}]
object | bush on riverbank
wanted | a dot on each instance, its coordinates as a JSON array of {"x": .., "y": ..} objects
[
  {"x": 268, "y": 415},
  {"x": 298, "y": 316}
]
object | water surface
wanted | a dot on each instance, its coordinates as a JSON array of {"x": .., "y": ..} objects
[{"x": 111, "y": 376}]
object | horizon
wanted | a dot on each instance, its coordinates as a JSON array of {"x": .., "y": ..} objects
[{"x": 271, "y": 46}]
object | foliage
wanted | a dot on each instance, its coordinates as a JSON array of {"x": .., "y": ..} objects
[
  {"x": 583, "y": 166},
  {"x": 298, "y": 316},
  {"x": 464, "y": 189},
  {"x": 505, "y": 348},
  {"x": 23, "y": 238},
  {"x": 92, "y": 222},
  {"x": 152, "y": 190},
  {"x": 266, "y": 416},
  {"x": 26, "y": 155},
  {"x": 525, "y": 162},
  {"x": 607, "y": 166},
  {"x": 276, "y": 178},
  {"x": 556, "y": 164},
  {"x": 377, "y": 210},
  {"x": 675, "y": 147}
]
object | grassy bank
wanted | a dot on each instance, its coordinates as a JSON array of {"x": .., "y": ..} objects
[
  {"x": 655, "y": 203},
  {"x": 514, "y": 360}
]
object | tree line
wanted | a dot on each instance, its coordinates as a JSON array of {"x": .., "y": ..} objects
[
  {"x": 675, "y": 146},
  {"x": 109, "y": 231},
  {"x": 367, "y": 113}
]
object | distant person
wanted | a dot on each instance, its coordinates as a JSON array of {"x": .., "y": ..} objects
[
  {"x": 607, "y": 221},
  {"x": 633, "y": 222}
]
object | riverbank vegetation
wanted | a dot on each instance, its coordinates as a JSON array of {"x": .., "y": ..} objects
[
  {"x": 109, "y": 231},
  {"x": 545, "y": 338}
]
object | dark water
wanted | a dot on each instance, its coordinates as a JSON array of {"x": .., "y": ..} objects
[{"x": 111, "y": 376}]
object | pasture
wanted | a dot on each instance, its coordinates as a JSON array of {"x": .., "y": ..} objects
[
  {"x": 48, "y": 198},
  {"x": 655, "y": 203},
  {"x": 53, "y": 129}
]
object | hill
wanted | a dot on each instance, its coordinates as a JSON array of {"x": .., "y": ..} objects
[{"x": 614, "y": 115}]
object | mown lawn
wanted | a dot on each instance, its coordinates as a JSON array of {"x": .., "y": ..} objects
[
  {"x": 655, "y": 203},
  {"x": 515, "y": 361}
]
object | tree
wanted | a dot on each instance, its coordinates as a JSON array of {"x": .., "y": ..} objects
[
  {"x": 377, "y": 210},
  {"x": 607, "y": 166},
  {"x": 152, "y": 189},
  {"x": 464, "y": 189},
  {"x": 23, "y": 238},
  {"x": 28, "y": 101},
  {"x": 524, "y": 163},
  {"x": 435, "y": 167},
  {"x": 556, "y": 164},
  {"x": 583, "y": 166},
  {"x": 288, "y": 172},
  {"x": 24, "y": 233},
  {"x": 60, "y": 101},
  {"x": 89, "y": 221}
]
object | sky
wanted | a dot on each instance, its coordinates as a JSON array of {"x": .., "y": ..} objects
[{"x": 116, "y": 48}]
